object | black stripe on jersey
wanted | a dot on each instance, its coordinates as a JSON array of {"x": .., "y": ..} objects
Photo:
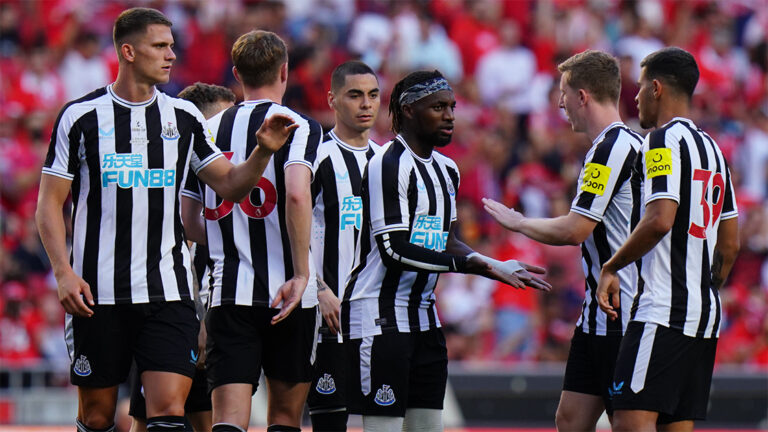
[
  {"x": 591, "y": 287},
  {"x": 313, "y": 139},
  {"x": 325, "y": 176},
  {"x": 390, "y": 167},
  {"x": 414, "y": 299},
  {"x": 387, "y": 296},
  {"x": 74, "y": 144},
  {"x": 604, "y": 254},
  {"x": 89, "y": 125},
  {"x": 364, "y": 249},
  {"x": 355, "y": 179},
  {"x": 184, "y": 120},
  {"x": 155, "y": 204},
  {"x": 123, "y": 208},
  {"x": 231, "y": 256},
  {"x": 679, "y": 239},
  {"x": 728, "y": 202},
  {"x": 601, "y": 156},
  {"x": 657, "y": 140},
  {"x": 256, "y": 227}
]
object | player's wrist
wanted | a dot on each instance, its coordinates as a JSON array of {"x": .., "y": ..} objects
[{"x": 262, "y": 150}]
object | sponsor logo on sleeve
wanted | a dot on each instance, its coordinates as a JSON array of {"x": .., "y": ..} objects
[
  {"x": 595, "y": 178},
  {"x": 427, "y": 232},
  {"x": 658, "y": 162}
]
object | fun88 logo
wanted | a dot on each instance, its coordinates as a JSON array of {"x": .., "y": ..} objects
[
  {"x": 428, "y": 233},
  {"x": 127, "y": 171},
  {"x": 351, "y": 213}
]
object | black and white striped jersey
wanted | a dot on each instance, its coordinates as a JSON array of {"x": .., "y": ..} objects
[
  {"x": 338, "y": 212},
  {"x": 401, "y": 192},
  {"x": 607, "y": 195},
  {"x": 682, "y": 163},
  {"x": 127, "y": 163},
  {"x": 248, "y": 241}
]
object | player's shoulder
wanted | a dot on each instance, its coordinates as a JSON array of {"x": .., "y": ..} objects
[
  {"x": 77, "y": 107},
  {"x": 301, "y": 119},
  {"x": 444, "y": 160}
]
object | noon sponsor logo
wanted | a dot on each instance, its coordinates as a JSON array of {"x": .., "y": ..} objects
[
  {"x": 658, "y": 162},
  {"x": 595, "y": 178}
]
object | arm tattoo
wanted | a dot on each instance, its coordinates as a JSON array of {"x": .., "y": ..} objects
[{"x": 717, "y": 270}]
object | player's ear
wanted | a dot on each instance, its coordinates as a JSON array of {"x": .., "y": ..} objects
[
  {"x": 127, "y": 52},
  {"x": 407, "y": 111},
  {"x": 658, "y": 88},
  {"x": 331, "y": 99},
  {"x": 284, "y": 72},
  {"x": 583, "y": 96},
  {"x": 236, "y": 74}
]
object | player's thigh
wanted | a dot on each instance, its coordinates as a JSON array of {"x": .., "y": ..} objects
[
  {"x": 167, "y": 342},
  {"x": 653, "y": 372},
  {"x": 285, "y": 401},
  {"x": 165, "y": 392},
  {"x": 97, "y": 406},
  {"x": 578, "y": 411},
  {"x": 379, "y": 370},
  {"x": 329, "y": 385},
  {"x": 232, "y": 404},
  {"x": 429, "y": 370},
  {"x": 100, "y": 346},
  {"x": 289, "y": 347},
  {"x": 235, "y": 344}
]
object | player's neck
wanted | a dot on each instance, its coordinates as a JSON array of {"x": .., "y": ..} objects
[
  {"x": 671, "y": 109},
  {"x": 131, "y": 89},
  {"x": 273, "y": 93},
  {"x": 600, "y": 118},
  {"x": 350, "y": 136},
  {"x": 421, "y": 149}
]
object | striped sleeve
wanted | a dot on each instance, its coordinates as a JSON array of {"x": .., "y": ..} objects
[
  {"x": 204, "y": 151},
  {"x": 192, "y": 187},
  {"x": 305, "y": 140},
  {"x": 63, "y": 158},
  {"x": 455, "y": 179},
  {"x": 730, "y": 210},
  {"x": 604, "y": 172},
  {"x": 661, "y": 166},
  {"x": 388, "y": 182}
]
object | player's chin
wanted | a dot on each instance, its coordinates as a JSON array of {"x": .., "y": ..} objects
[{"x": 442, "y": 139}]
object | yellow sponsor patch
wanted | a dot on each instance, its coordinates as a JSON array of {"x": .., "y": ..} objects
[
  {"x": 658, "y": 162},
  {"x": 595, "y": 178}
]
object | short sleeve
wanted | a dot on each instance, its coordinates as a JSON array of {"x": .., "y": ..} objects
[
  {"x": 605, "y": 171},
  {"x": 204, "y": 151},
  {"x": 661, "y": 166},
  {"x": 389, "y": 177},
  {"x": 730, "y": 210},
  {"x": 63, "y": 158},
  {"x": 192, "y": 187}
]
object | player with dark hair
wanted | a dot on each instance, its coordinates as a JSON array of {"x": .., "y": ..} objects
[
  {"x": 688, "y": 240},
  {"x": 397, "y": 359},
  {"x": 260, "y": 252},
  {"x": 602, "y": 215},
  {"x": 210, "y": 100},
  {"x": 337, "y": 220},
  {"x": 123, "y": 152}
]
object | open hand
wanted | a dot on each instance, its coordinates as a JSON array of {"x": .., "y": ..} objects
[
  {"x": 274, "y": 132},
  {"x": 507, "y": 217}
]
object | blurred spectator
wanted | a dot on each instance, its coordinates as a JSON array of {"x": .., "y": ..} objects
[{"x": 83, "y": 69}]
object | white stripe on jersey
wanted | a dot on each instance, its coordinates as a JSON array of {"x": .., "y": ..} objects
[
  {"x": 606, "y": 195},
  {"x": 248, "y": 245},
  {"x": 127, "y": 162},
  {"x": 680, "y": 162},
  {"x": 380, "y": 298}
]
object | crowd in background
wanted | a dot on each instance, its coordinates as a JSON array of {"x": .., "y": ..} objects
[{"x": 511, "y": 142}]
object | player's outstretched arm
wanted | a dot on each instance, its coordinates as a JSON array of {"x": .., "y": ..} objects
[
  {"x": 234, "y": 182},
  {"x": 298, "y": 207},
  {"x": 514, "y": 273},
  {"x": 571, "y": 229},
  {"x": 653, "y": 226},
  {"x": 50, "y": 224},
  {"x": 726, "y": 250}
]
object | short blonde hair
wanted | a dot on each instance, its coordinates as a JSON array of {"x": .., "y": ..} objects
[
  {"x": 594, "y": 71},
  {"x": 258, "y": 56}
]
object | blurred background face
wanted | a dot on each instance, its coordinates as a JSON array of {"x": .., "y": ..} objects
[
  {"x": 646, "y": 104},
  {"x": 571, "y": 104},
  {"x": 357, "y": 103}
]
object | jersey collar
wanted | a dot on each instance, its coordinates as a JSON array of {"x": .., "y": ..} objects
[
  {"x": 129, "y": 104},
  {"x": 342, "y": 144},
  {"x": 688, "y": 121},
  {"x": 415, "y": 156},
  {"x": 605, "y": 131}
]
